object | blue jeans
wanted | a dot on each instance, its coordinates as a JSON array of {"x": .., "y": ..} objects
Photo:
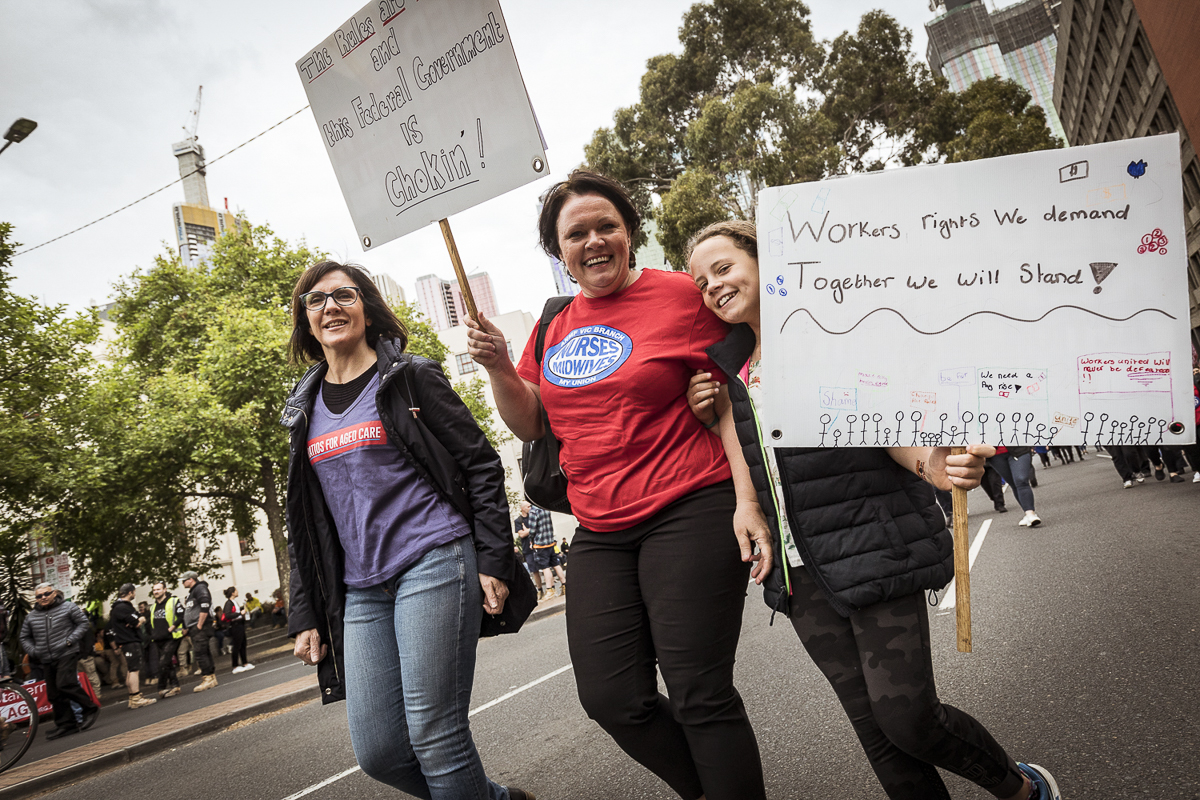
[
  {"x": 1015, "y": 472},
  {"x": 410, "y": 664}
]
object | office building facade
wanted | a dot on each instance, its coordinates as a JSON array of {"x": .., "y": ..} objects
[
  {"x": 968, "y": 43},
  {"x": 391, "y": 291},
  {"x": 1122, "y": 64},
  {"x": 442, "y": 301}
]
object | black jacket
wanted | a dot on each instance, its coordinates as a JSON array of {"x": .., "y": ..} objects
[
  {"x": 48, "y": 634},
  {"x": 445, "y": 447},
  {"x": 868, "y": 529},
  {"x": 231, "y": 613},
  {"x": 199, "y": 601},
  {"x": 123, "y": 622},
  {"x": 159, "y": 626}
]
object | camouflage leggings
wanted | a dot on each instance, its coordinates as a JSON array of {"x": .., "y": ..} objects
[{"x": 878, "y": 662}]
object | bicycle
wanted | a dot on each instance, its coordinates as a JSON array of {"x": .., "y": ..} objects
[{"x": 18, "y": 722}]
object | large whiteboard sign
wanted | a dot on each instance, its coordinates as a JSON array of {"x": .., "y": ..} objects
[
  {"x": 423, "y": 111},
  {"x": 1034, "y": 299}
]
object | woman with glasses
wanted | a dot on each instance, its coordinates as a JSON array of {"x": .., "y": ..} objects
[{"x": 399, "y": 537}]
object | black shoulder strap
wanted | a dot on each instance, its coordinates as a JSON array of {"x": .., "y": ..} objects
[{"x": 551, "y": 310}]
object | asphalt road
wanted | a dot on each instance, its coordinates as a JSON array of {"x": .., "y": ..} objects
[
  {"x": 116, "y": 717},
  {"x": 1084, "y": 651}
]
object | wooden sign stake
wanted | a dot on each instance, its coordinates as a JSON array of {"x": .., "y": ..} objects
[
  {"x": 962, "y": 564},
  {"x": 461, "y": 273}
]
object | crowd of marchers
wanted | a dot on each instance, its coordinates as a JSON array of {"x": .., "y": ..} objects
[{"x": 151, "y": 644}]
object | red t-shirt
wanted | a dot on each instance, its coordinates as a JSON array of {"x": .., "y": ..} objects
[{"x": 614, "y": 383}]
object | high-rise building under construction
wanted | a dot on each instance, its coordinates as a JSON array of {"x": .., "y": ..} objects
[
  {"x": 1019, "y": 42},
  {"x": 197, "y": 223}
]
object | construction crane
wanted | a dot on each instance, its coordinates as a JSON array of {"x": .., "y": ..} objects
[{"x": 194, "y": 117}]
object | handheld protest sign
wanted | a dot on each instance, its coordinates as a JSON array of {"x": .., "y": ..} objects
[
  {"x": 1035, "y": 299},
  {"x": 423, "y": 112}
]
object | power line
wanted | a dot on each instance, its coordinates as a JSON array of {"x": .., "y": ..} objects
[{"x": 156, "y": 191}]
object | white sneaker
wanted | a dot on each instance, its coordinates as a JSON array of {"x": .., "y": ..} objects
[
  {"x": 1196, "y": 477},
  {"x": 247, "y": 667},
  {"x": 1030, "y": 520},
  {"x": 236, "y": 670},
  {"x": 1140, "y": 478},
  {"x": 1128, "y": 484}
]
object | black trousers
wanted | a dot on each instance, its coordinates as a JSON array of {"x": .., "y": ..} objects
[
  {"x": 200, "y": 647},
  {"x": 879, "y": 663},
  {"x": 167, "y": 676},
  {"x": 237, "y": 647},
  {"x": 150, "y": 662},
  {"x": 992, "y": 486},
  {"x": 1192, "y": 451},
  {"x": 62, "y": 686},
  {"x": 668, "y": 592},
  {"x": 1171, "y": 457},
  {"x": 1128, "y": 459}
]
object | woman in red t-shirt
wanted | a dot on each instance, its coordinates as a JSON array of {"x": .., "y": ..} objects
[{"x": 657, "y": 575}]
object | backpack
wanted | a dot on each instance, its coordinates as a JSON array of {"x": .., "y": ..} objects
[{"x": 545, "y": 484}]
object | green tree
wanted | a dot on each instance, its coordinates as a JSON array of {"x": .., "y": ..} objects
[
  {"x": 753, "y": 101},
  {"x": 183, "y": 441},
  {"x": 16, "y": 583},
  {"x": 992, "y": 117},
  {"x": 45, "y": 361},
  {"x": 127, "y": 516},
  {"x": 44, "y": 358},
  {"x": 422, "y": 337}
]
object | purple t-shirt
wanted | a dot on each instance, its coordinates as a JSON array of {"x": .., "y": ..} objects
[{"x": 387, "y": 516}]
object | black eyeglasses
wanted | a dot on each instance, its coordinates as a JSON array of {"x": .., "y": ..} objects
[
  {"x": 43, "y": 595},
  {"x": 343, "y": 296}
]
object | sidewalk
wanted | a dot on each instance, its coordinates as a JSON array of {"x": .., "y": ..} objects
[
  {"x": 60, "y": 770},
  {"x": 548, "y": 607},
  {"x": 63, "y": 769}
]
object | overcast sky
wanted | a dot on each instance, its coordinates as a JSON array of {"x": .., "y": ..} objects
[{"x": 111, "y": 84}]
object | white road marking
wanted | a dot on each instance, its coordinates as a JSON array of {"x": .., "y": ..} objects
[
  {"x": 471, "y": 713},
  {"x": 296, "y": 663},
  {"x": 322, "y": 784},
  {"x": 518, "y": 690},
  {"x": 949, "y": 601}
]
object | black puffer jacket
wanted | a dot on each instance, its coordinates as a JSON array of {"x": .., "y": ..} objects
[
  {"x": 48, "y": 634},
  {"x": 867, "y": 529},
  {"x": 449, "y": 452}
]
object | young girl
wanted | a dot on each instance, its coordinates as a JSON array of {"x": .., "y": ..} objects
[{"x": 863, "y": 538}]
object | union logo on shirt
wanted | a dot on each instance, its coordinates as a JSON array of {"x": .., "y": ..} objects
[
  {"x": 587, "y": 355},
  {"x": 346, "y": 439}
]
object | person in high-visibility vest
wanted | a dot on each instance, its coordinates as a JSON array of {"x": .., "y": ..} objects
[{"x": 166, "y": 630}]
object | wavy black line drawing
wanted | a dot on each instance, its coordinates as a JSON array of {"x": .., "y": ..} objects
[{"x": 964, "y": 319}]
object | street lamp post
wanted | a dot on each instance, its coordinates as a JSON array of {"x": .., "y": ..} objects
[{"x": 17, "y": 132}]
